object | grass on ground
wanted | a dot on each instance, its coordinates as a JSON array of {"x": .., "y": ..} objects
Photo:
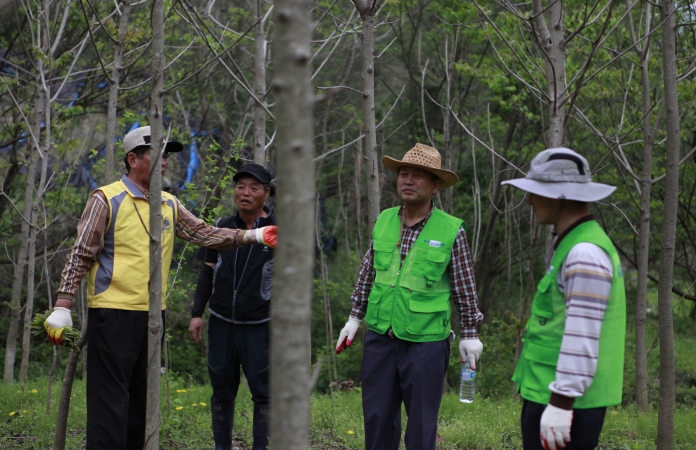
[{"x": 336, "y": 421}]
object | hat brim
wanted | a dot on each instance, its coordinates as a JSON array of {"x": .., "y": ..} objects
[
  {"x": 173, "y": 147},
  {"x": 447, "y": 177},
  {"x": 581, "y": 192}
]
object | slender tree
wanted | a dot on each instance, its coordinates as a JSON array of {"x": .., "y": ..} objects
[
  {"x": 665, "y": 421},
  {"x": 368, "y": 10},
  {"x": 260, "y": 44},
  {"x": 643, "y": 52},
  {"x": 154, "y": 350},
  {"x": 291, "y": 310},
  {"x": 115, "y": 83},
  {"x": 21, "y": 261}
]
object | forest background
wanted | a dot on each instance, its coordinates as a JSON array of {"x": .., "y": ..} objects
[{"x": 488, "y": 83}]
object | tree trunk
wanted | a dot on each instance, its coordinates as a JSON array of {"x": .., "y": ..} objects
[
  {"x": 66, "y": 392},
  {"x": 644, "y": 245},
  {"x": 45, "y": 112},
  {"x": 154, "y": 349},
  {"x": 551, "y": 43},
  {"x": 110, "y": 166},
  {"x": 13, "y": 331},
  {"x": 446, "y": 127},
  {"x": 665, "y": 421},
  {"x": 367, "y": 10},
  {"x": 291, "y": 311},
  {"x": 259, "y": 85}
]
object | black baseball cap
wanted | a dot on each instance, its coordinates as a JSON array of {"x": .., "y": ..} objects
[
  {"x": 141, "y": 137},
  {"x": 255, "y": 170}
]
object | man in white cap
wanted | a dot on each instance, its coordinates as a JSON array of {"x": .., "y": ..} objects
[
  {"x": 417, "y": 264},
  {"x": 111, "y": 249},
  {"x": 571, "y": 366}
]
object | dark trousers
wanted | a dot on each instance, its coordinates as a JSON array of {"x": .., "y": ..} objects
[
  {"x": 231, "y": 346},
  {"x": 116, "y": 379},
  {"x": 395, "y": 371},
  {"x": 584, "y": 433}
]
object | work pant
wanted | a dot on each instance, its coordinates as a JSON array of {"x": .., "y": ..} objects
[
  {"x": 116, "y": 378},
  {"x": 229, "y": 347},
  {"x": 584, "y": 432},
  {"x": 395, "y": 371}
]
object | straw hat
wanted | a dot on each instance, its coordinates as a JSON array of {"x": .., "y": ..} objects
[
  {"x": 561, "y": 173},
  {"x": 426, "y": 158}
]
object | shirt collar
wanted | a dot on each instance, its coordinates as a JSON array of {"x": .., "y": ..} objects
[
  {"x": 135, "y": 191},
  {"x": 422, "y": 222}
]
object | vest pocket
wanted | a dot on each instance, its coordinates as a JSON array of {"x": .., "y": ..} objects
[
  {"x": 542, "y": 306},
  {"x": 373, "y": 301},
  {"x": 382, "y": 254},
  {"x": 428, "y": 315},
  {"x": 435, "y": 265},
  {"x": 539, "y": 367}
]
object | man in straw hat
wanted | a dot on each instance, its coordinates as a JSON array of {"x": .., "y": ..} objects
[
  {"x": 571, "y": 366},
  {"x": 419, "y": 259}
]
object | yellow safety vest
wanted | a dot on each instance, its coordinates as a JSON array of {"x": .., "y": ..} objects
[{"x": 119, "y": 278}]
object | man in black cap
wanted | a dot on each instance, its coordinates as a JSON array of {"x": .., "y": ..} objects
[
  {"x": 111, "y": 251},
  {"x": 238, "y": 285}
]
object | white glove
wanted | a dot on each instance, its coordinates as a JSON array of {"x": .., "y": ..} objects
[
  {"x": 345, "y": 339},
  {"x": 470, "y": 350},
  {"x": 555, "y": 427},
  {"x": 56, "y": 322}
]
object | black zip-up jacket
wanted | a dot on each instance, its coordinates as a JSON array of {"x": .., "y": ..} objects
[{"x": 239, "y": 287}]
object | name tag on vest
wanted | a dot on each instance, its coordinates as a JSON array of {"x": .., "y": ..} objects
[{"x": 433, "y": 243}]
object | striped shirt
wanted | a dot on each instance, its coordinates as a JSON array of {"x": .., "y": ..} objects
[
  {"x": 460, "y": 271},
  {"x": 585, "y": 281},
  {"x": 93, "y": 226}
]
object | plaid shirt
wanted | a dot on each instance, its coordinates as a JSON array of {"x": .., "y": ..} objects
[
  {"x": 460, "y": 270},
  {"x": 93, "y": 225}
]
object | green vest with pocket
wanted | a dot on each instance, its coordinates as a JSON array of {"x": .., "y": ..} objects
[
  {"x": 536, "y": 368},
  {"x": 413, "y": 298}
]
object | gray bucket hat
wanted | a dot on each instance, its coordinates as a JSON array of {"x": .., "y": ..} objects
[{"x": 561, "y": 173}]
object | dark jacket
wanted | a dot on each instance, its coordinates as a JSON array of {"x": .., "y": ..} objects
[{"x": 239, "y": 287}]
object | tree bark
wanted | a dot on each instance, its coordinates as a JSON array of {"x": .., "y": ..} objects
[
  {"x": 259, "y": 85},
  {"x": 550, "y": 39},
  {"x": 45, "y": 112},
  {"x": 665, "y": 421},
  {"x": 291, "y": 311},
  {"x": 66, "y": 390},
  {"x": 645, "y": 194},
  {"x": 13, "y": 331},
  {"x": 112, "y": 109},
  {"x": 154, "y": 350},
  {"x": 367, "y": 10}
]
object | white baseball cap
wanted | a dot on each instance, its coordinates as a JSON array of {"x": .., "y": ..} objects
[
  {"x": 141, "y": 136},
  {"x": 561, "y": 173}
]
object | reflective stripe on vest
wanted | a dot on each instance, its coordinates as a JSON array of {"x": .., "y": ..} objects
[
  {"x": 119, "y": 278},
  {"x": 536, "y": 368},
  {"x": 412, "y": 298}
]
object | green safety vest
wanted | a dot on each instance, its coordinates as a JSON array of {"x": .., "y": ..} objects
[
  {"x": 536, "y": 368},
  {"x": 412, "y": 298}
]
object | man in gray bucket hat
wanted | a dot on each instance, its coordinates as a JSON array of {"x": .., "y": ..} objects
[{"x": 571, "y": 366}]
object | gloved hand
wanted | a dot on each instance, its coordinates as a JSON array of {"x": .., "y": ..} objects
[
  {"x": 345, "y": 339},
  {"x": 267, "y": 235},
  {"x": 470, "y": 350},
  {"x": 555, "y": 427},
  {"x": 56, "y": 322}
]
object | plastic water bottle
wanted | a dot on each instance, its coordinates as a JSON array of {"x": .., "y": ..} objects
[{"x": 467, "y": 383}]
